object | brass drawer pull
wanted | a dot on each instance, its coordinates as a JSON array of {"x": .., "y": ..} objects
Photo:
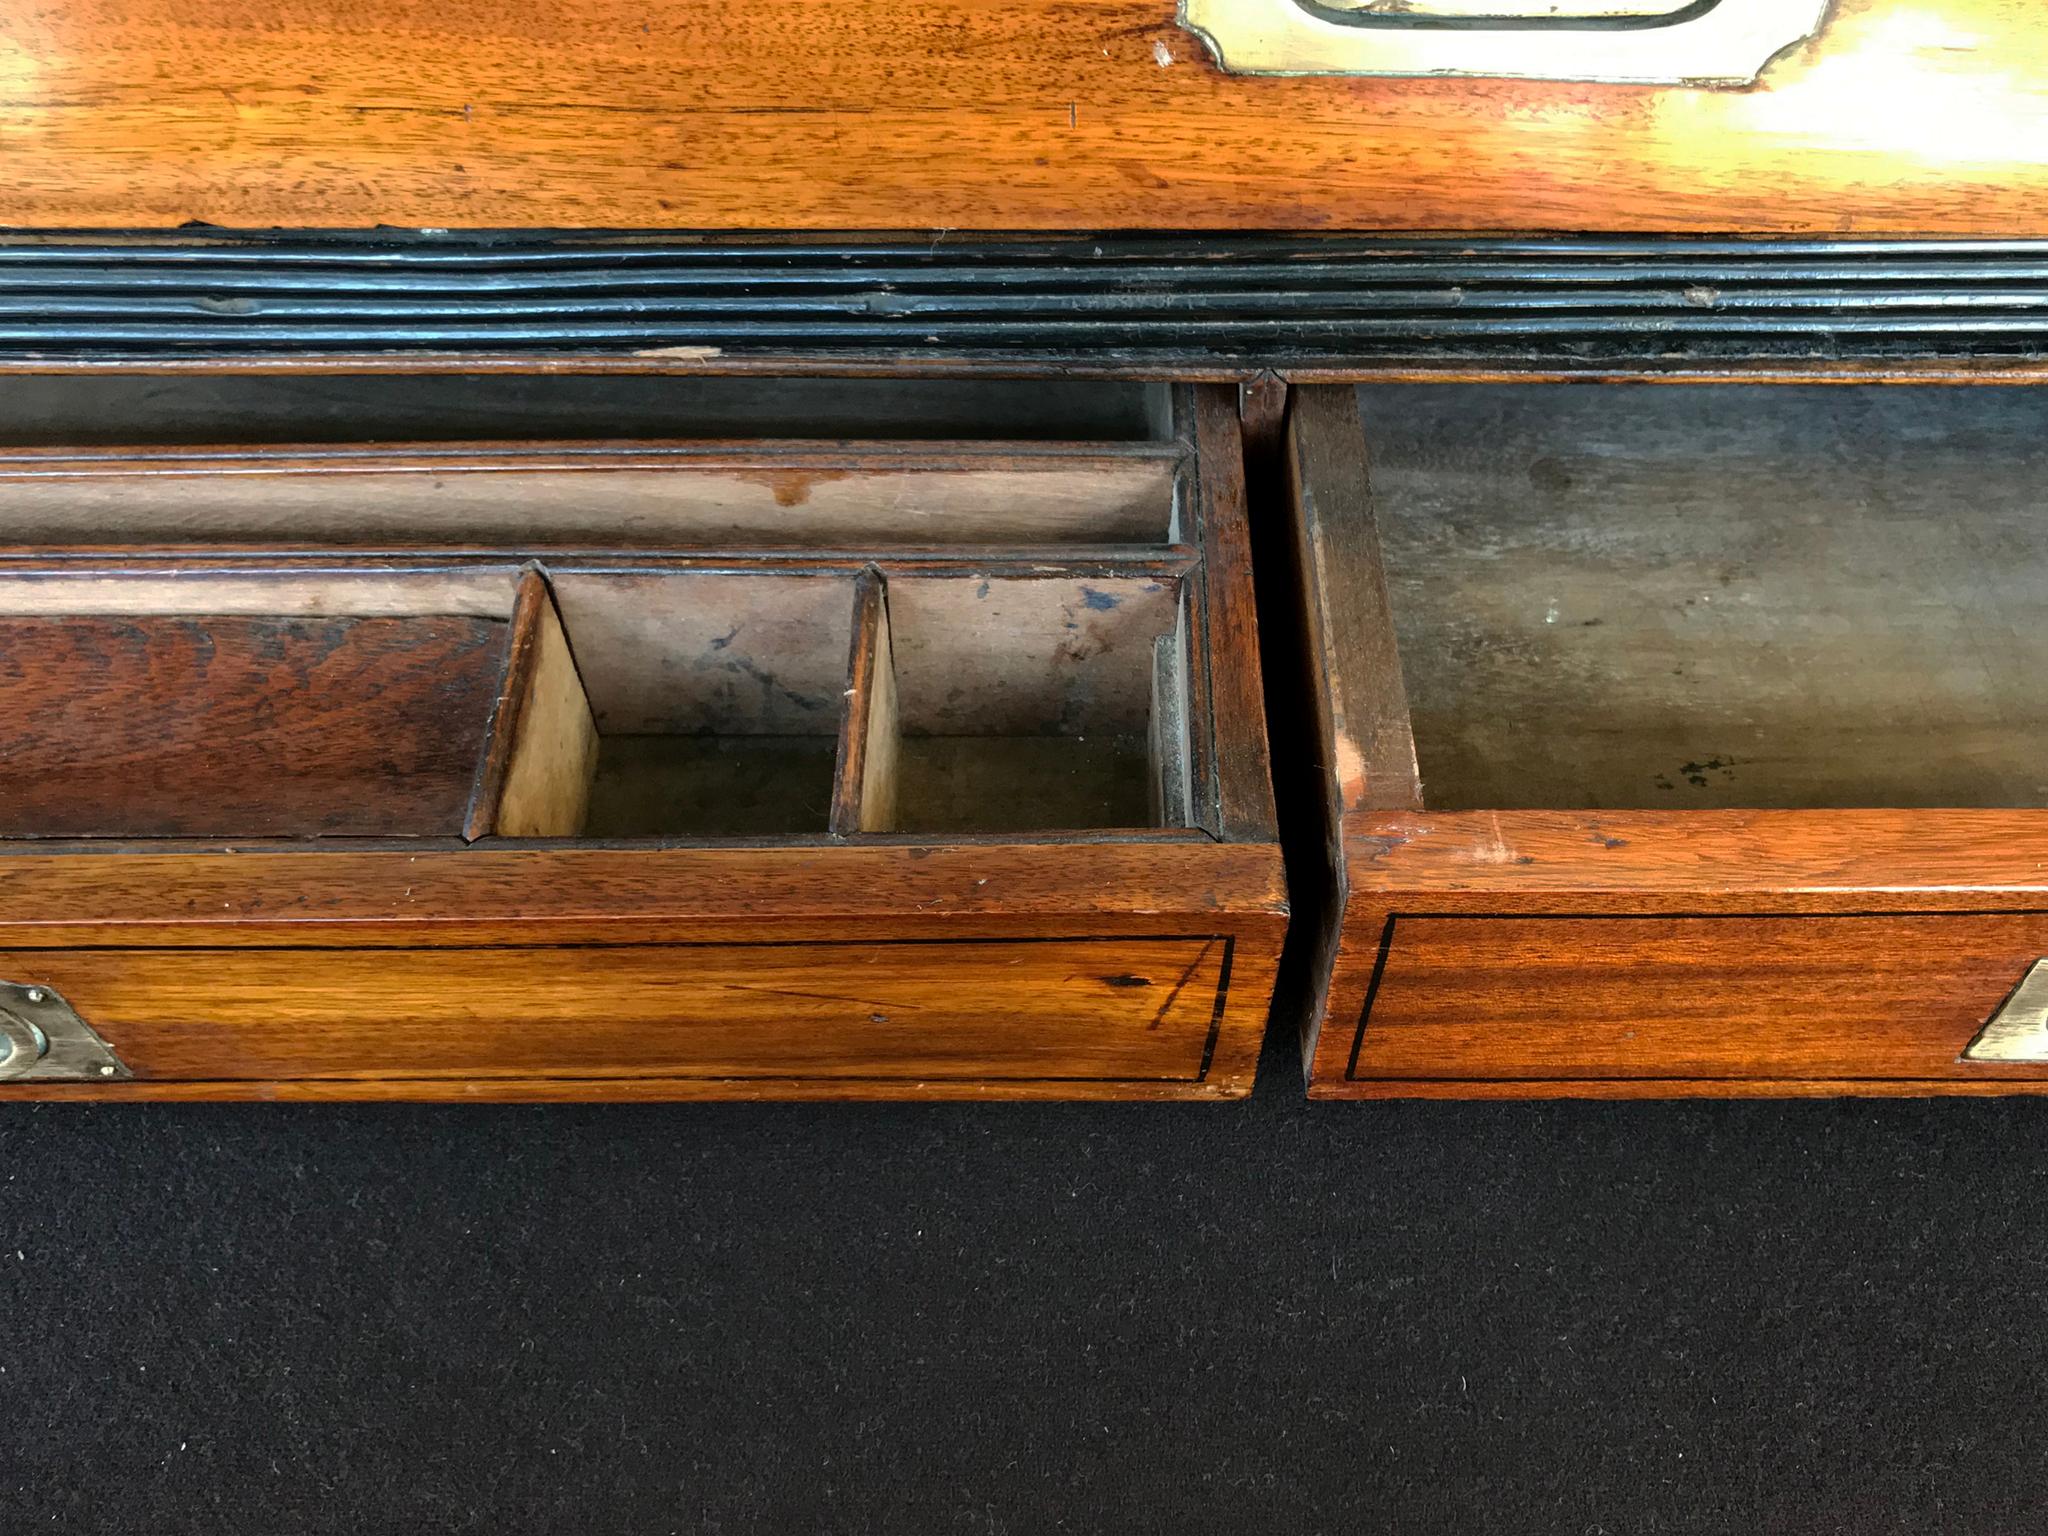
[
  {"x": 2018, "y": 1031},
  {"x": 1691, "y": 42},
  {"x": 45, "y": 1041}
]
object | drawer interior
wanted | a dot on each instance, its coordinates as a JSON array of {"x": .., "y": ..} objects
[
  {"x": 719, "y": 704},
  {"x": 1744, "y": 597},
  {"x": 775, "y": 634}
]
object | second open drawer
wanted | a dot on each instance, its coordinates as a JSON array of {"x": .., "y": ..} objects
[{"x": 1667, "y": 746}]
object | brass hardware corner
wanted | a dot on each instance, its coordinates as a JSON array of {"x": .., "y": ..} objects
[
  {"x": 2018, "y": 1031},
  {"x": 43, "y": 1040}
]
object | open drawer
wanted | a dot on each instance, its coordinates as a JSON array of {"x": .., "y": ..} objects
[
  {"x": 1675, "y": 741},
  {"x": 651, "y": 768}
]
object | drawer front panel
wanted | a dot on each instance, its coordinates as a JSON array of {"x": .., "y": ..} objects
[
  {"x": 1894, "y": 997},
  {"x": 1087, "y": 1009}
]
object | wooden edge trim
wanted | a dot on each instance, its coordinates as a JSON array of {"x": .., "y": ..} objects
[
  {"x": 1671, "y": 1088},
  {"x": 496, "y": 761},
  {"x": 554, "y": 751},
  {"x": 650, "y": 1090},
  {"x": 1373, "y": 735},
  {"x": 1545, "y": 861},
  {"x": 883, "y": 741},
  {"x": 415, "y": 569},
  {"x": 535, "y": 892},
  {"x": 1352, "y": 688},
  {"x": 1167, "y": 733},
  {"x": 864, "y": 773},
  {"x": 1224, "y": 667},
  {"x": 436, "y": 456},
  {"x": 1205, "y": 792}
]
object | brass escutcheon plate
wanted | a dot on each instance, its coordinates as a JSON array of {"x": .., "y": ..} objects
[
  {"x": 2018, "y": 1031},
  {"x": 1670, "y": 42},
  {"x": 43, "y": 1040}
]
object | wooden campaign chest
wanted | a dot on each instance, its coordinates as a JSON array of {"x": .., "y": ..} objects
[{"x": 551, "y": 549}]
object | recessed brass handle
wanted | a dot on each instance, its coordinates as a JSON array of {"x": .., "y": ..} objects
[
  {"x": 1677, "y": 42},
  {"x": 47, "y": 1042},
  {"x": 2018, "y": 1031},
  {"x": 26, "y": 1045},
  {"x": 1498, "y": 13}
]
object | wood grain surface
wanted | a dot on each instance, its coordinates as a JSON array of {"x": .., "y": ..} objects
[
  {"x": 1106, "y": 970},
  {"x": 490, "y": 894},
  {"x": 1093, "y": 1009},
  {"x": 1811, "y": 857},
  {"x": 615, "y": 494},
  {"x": 1915, "y": 116},
  {"x": 1672, "y": 951},
  {"x": 1222, "y": 617},
  {"x": 1692, "y": 997},
  {"x": 244, "y": 726},
  {"x": 1676, "y": 950}
]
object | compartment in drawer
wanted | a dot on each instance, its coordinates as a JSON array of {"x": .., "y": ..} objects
[
  {"x": 707, "y": 704},
  {"x": 716, "y": 700},
  {"x": 798, "y": 768},
  {"x": 661, "y": 703},
  {"x": 239, "y": 706},
  {"x": 1629, "y": 701},
  {"x": 1029, "y": 704}
]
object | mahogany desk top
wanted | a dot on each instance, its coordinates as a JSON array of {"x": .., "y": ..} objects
[{"x": 1902, "y": 116}]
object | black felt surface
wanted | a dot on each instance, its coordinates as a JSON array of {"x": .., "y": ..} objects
[{"x": 1274, "y": 1317}]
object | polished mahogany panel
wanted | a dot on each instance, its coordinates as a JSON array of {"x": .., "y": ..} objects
[
  {"x": 1098, "y": 1010},
  {"x": 1908, "y": 116},
  {"x": 1784, "y": 995}
]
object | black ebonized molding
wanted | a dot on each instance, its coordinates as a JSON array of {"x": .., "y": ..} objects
[{"x": 1126, "y": 301}]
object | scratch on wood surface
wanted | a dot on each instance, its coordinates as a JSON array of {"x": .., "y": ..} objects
[
  {"x": 823, "y": 997},
  {"x": 1389, "y": 835},
  {"x": 1180, "y": 986},
  {"x": 1495, "y": 849},
  {"x": 401, "y": 109}
]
